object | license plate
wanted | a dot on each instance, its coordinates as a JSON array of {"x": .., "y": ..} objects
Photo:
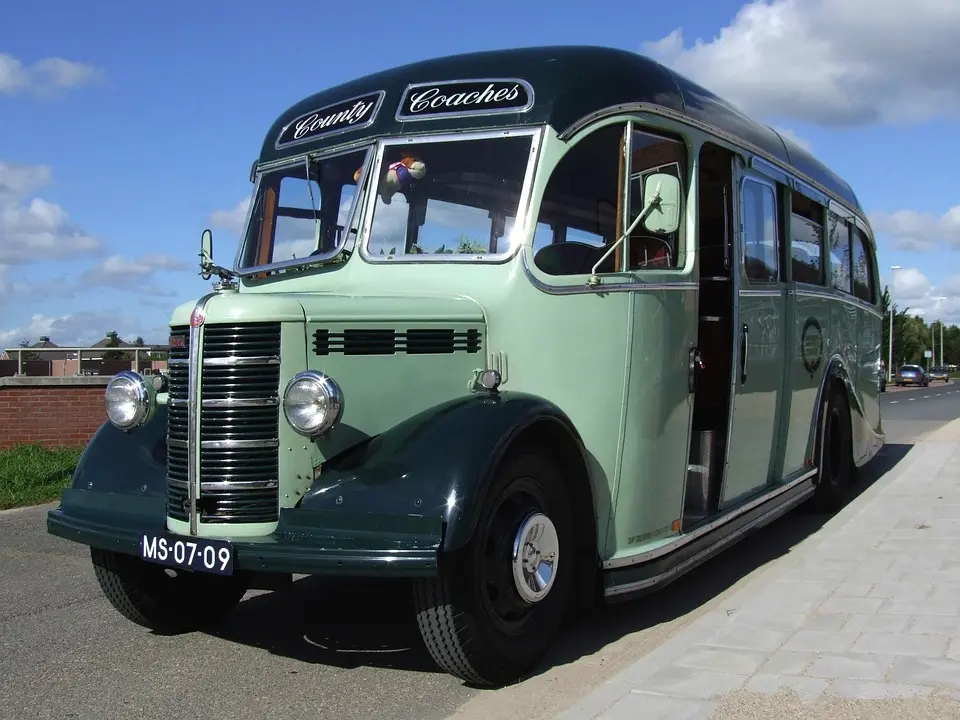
[{"x": 200, "y": 554}]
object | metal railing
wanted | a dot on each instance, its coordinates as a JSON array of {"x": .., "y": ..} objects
[{"x": 137, "y": 350}]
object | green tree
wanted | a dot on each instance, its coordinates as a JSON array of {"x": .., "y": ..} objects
[{"x": 113, "y": 341}]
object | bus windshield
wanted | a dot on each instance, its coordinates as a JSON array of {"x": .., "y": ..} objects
[
  {"x": 301, "y": 210},
  {"x": 444, "y": 198}
]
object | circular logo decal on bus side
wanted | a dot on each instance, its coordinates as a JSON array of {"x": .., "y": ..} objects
[{"x": 811, "y": 345}]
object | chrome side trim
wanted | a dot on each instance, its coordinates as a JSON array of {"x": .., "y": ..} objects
[
  {"x": 238, "y": 444},
  {"x": 762, "y": 293},
  {"x": 193, "y": 409},
  {"x": 583, "y": 289},
  {"x": 713, "y": 525},
  {"x": 235, "y": 360},
  {"x": 815, "y": 291},
  {"x": 768, "y": 516},
  {"x": 241, "y": 402}
]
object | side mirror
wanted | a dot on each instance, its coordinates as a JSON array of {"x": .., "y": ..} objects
[
  {"x": 206, "y": 253},
  {"x": 664, "y": 217}
]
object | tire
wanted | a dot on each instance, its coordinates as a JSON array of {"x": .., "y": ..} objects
[
  {"x": 163, "y": 599},
  {"x": 472, "y": 617},
  {"x": 834, "y": 449}
]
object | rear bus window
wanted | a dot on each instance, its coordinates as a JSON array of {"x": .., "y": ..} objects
[
  {"x": 806, "y": 236},
  {"x": 840, "y": 257},
  {"x": 863, "y": 285}
]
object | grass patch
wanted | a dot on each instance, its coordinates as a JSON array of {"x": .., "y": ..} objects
[{"x": 33, "y": 474}]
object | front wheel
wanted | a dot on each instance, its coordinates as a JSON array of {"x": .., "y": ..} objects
[
  {"x": 164, "y": 599},
  {"x": 492, "y": 613}
]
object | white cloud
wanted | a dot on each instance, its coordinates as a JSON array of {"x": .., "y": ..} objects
[
  {"x": 82, "y": 329},
  {"x": 911, "y": 230},
  {"x": 131, "y": 274},
  {"x": 32, "y": 228},
  {"x": 910, "y": 288},
  {"x": 231, "y": 220},
  {"x": 45, "y": 75},
  {"x": 830, "y": 62}
]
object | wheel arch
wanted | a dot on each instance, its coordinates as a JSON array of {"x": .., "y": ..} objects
[
  {"x": 556, "y": 433},
  {"x": 440, "y": 463},
  {"x": 126, "y": 463},
  {"x": 865, "y": 441}
]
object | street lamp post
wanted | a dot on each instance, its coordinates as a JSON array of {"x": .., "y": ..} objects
[
  {"x": 893, "y": 269},
  {"x": 942, "y": 361}
]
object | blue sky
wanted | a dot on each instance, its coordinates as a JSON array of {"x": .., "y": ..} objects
[{"x": 127, "y": 128}]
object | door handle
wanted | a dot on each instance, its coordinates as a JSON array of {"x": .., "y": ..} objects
[
  {"x": 696, "y": 363},
  {"x": 744, "y": 349}
]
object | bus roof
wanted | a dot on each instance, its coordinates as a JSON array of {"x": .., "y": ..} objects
[{"x": 566, "y": 83}]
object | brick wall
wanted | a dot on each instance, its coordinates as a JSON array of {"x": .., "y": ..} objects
[{"x": 52, "y": 411}]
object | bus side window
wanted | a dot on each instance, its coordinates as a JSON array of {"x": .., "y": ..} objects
[
  {"x": 760, "y": 253},
  {"x": 578, "y": 213},
  {"x": 806, "y": 239},
  {"x": 863, "y": 285},
  {"x": 840, "y": 257}
]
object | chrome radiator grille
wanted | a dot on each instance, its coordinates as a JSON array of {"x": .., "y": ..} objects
[{"x": 239, "y": 425}]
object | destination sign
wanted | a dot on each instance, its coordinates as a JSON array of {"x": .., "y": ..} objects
[
  {"x": 352, "y": 114},
  {"x": 464, "y": 97}
]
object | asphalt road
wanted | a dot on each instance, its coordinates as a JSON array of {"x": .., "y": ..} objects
[{"x": 344, "y": 651}]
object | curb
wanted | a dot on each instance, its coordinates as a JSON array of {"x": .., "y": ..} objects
[
  {"x": 23, "y": 508},
  {"x": 627, "y": 680}
]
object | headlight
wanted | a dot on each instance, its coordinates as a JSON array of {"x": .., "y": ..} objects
[
  {"x": 130, "y": 400},
  {"x": 312, "y": 403}
]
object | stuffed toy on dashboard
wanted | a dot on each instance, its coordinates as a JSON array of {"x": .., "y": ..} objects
[{"x": 399, "y": 176}]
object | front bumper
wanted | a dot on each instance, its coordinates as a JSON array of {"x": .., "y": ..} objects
[{"x": 305, "y": 541}]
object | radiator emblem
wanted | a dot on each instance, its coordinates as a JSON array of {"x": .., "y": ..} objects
[{"x": 196, "y": 317}]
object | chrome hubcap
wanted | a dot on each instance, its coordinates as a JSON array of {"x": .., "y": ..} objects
[{"x": 536, "y": 551}]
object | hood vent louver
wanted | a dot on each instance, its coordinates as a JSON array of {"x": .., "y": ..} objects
[{"x": 390, "y": 342}]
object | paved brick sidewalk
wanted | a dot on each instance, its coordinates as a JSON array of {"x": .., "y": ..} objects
[{"x": 868, "y": 608}]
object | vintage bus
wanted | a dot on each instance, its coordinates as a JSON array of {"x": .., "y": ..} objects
[{"x": 532, "y": 328}]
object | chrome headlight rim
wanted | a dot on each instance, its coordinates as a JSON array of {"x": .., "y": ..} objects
[
  {"x": 323, "y": 386},
  {"x": 144, "y": 397}
]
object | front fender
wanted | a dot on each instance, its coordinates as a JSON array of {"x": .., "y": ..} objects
[
  {"x": 437, "y": 463},
  {"x": 126, "y": 463}
]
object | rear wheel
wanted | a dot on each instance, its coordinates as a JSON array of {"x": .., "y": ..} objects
[
  {"x": 492, "y": 613},
  {"x": 835, "y": 452},
  {"x": 162, "y": 598}
]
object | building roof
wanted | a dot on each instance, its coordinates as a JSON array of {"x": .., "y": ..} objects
[{"x": 568, "y": 83}]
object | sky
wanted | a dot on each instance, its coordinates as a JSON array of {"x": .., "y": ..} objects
[{"x": 128, "y": 128}]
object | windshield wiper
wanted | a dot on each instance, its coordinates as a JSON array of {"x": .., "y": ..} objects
[{"x": 313, "y": 203}]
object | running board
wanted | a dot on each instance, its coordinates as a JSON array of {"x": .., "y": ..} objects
[{"x": 625, "y": 583}]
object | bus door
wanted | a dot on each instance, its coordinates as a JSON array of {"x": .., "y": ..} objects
[{"x": 759, "y": 340}]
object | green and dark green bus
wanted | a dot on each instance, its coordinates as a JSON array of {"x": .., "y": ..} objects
[{"x": 540, "y": 328}]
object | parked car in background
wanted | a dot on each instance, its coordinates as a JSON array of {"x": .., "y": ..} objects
[
  {"x": 940, "y": 373},
  {"x": 912, "y": 375}
]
